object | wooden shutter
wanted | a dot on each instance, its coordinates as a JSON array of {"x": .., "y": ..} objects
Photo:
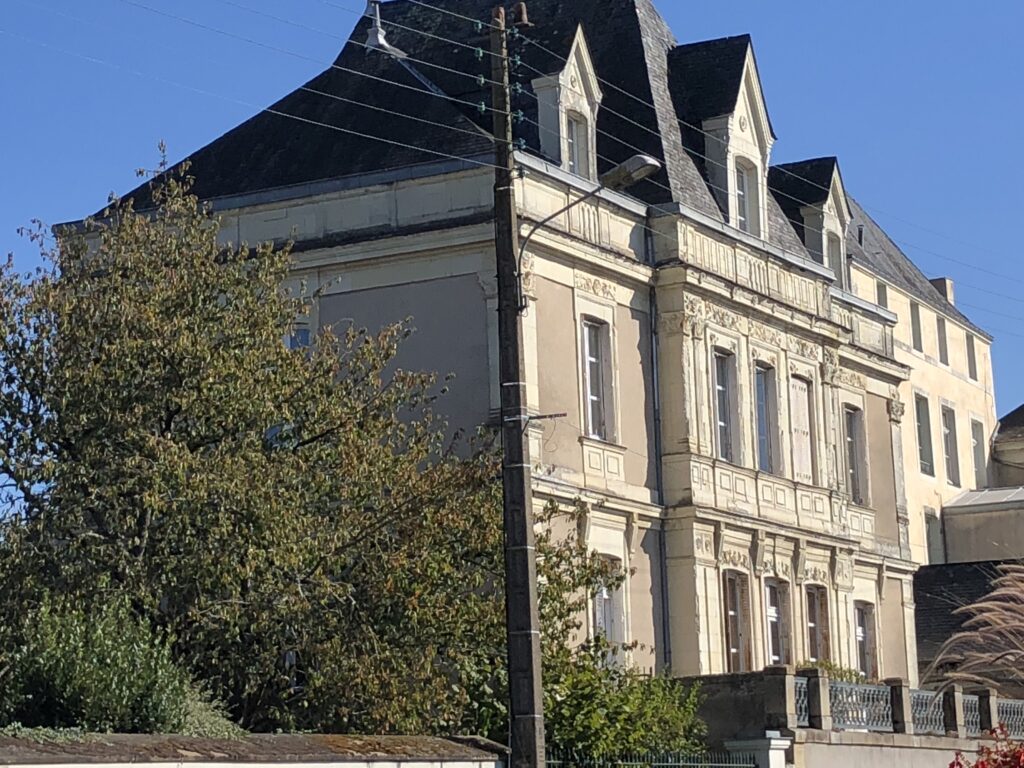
[{"x": 800, "y": 413}]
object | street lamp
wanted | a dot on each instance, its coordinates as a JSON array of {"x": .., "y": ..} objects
[{"x": 622, "y": 176}]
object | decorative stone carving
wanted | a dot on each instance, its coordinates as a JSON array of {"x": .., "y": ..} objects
[
  {"x": 830, "y": 366},
  {"x": 671, "y": 322},
  {"x": 703, "y": 545},
  {"x": 595, "y": 286},
  {"x": 724, "y": 318},
  {"x": 766, "y": 334},
  {"x": 805, "y": 349},
  {"x": 489, "y": 284},
  {"x": 529, "y": 276},
  {"x": 897, "y": 409},
  {"x": 583, "y": 525},
  {"x": 817, "y": 572},
  {"x": 851, "y": 379},
  {"x": 842, "y": 571},
  {"x": 696, "y": 315},
  {"x": 736, "y": 559},
  {"x": 632, "y": 533},
  {"x": 759, "y": 552}
]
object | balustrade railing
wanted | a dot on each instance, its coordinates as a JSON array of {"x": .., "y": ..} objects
[
  {"x": 803, "y": 711},
  {"x": 861, "y": 707},
  {"x": 1011, "y": 714},
  {"x": 927, "y": 711},
  {"x": 972, "y": 716}
]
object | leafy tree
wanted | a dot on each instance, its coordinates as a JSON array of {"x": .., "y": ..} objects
[{"x": 323, "y": 556}]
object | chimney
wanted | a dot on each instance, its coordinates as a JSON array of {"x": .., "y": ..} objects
[
  {"x": 944, "y": 286},
  {"x": 522, "y": 18}
]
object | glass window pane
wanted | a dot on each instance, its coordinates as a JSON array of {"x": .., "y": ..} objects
[
  {"x": 924, "y": 435},
  {"x": 978, "y": 445}
]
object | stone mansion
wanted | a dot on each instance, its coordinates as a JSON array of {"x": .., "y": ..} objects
[{"x": 767, "y": 404}]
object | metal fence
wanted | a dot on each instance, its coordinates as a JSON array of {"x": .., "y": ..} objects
[
  {"x": 803, "y": 709},
  {"x": 972, "y": 715},
  {"x": 1011, "y": 714},
  {"x": 563, "y": 759},
  {"x": 926, "y": 708},
  {"x": 860, "y": 707}
]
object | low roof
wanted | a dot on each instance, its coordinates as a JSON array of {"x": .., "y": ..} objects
[
  {"x": 882, "y": 256},
  {"x": 939, "y": 591},
  {"x": 1011, "y": 426},
  {"x": 988, "y": 497},
  {"x": 266, "y": 748}
]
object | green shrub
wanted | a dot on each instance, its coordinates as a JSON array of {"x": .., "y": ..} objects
[
  {"x": 101, "y": 671},
  {"x": 601, "y": 708}
]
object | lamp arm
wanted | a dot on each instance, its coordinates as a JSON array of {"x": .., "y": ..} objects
[{"x": 536, "y": 227}]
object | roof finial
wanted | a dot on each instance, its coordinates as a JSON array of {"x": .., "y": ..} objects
[
  {"x": 522, "y": 18},
  {"x": 376, "y": 37}
]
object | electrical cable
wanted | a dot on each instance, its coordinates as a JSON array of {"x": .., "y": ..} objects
[
  {"x": 269, "y": 110},
  {"x": 287, "y": 52}
]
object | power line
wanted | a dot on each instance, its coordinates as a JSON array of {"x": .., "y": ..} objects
[
  {"x": 483, "y": 107},
  {"x": 780, "y": 168},
  {"x": 479, "y": 79},
  {"x": 480, "y": 134},
  {"x": 269, "y": 110},
  {"x": 287, "y": 52}
]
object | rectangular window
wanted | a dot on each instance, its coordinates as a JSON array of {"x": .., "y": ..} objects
[
  {"x": 853, "y": 422},
  {"x": 864, "y": 617},
  {"x": 915, "y": 326},
  {"x": 776, "y": 601},
  {"x": 881, "y": 294},
  {"x": 950, "y": 447},
  {"x": 972, "y": 358},
  {"x": 979, "y": 449},
  {"x": 940, "y": 330},
  {"x": 924, "y": 435},
  {"x": 609, "y": 617},
  {"x": 742, "y": 199},
  {"x": 801, "y": 412},
  {"x": 298, "y": 337},
  {"x": 767, "y": 416},
  {"x": 935, "y": 537},
  {"x": 817, "y": 624},
  {"x": 577, "y": 141},
  {"x": 596, "y": 348},
  {"x": 737, "y": 621},
  {"x": 725, "y": 365}
]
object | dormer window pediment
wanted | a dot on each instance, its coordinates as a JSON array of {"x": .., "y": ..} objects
[
  {"x": 568, "y": 103},
  {"x": 738, "y": 148}
]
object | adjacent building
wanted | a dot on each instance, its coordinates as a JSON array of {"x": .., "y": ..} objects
[{"x": 765, "y": 402}]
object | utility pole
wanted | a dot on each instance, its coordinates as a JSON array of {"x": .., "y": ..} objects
[{"x": 526, "y": 703}]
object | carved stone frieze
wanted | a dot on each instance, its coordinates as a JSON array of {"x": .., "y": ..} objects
[
  {"x": 766, "y": 334},
  {"x": 529, "y": 275},
  {"x": 851, "y": 379},
  {"x": 805, "y": 349},
  {"x": 736, "y": 558},
  {"x": 696, "y": 315},
  {"x": 595, "y": 286},
  {"x": 818, "y": 572},
  {"x": 724, "y": 318}
]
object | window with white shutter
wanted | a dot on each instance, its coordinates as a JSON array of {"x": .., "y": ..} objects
[{"x": 801, "y": 415}]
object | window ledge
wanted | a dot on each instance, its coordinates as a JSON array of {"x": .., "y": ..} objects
[{"x": 603, "y": 462}]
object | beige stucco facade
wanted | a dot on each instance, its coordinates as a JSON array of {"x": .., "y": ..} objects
[
  {"x": 738, "y": 418},
  {"x": 942, "y": 385}
]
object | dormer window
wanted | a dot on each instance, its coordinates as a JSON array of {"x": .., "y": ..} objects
[
  {"x": 567, "y": 107},
  {"x": 748, "y": 209},
  {"x": 578, "y": 145},
  {"x": 742, "y": 199}
]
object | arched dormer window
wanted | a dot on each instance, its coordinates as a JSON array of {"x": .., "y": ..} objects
[
  {"x": 577, "y": 137},
  {"x": 748, "y": 208}
]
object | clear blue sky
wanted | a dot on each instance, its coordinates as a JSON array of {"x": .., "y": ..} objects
[{"x": 920, "y": 100}]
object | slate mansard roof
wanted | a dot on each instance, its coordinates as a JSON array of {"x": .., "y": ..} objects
[
  {"x": 629, "y": 43},
  {"x": 635, "y": 55},
  {"x": 883, "y": 257}
]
